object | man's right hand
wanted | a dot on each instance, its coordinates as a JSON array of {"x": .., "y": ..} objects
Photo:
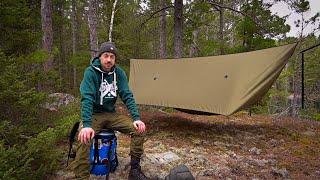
[{"x": 85, "y": 135}]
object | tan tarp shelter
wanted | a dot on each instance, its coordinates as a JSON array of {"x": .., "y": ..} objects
[{"x": 215, "y": 84}]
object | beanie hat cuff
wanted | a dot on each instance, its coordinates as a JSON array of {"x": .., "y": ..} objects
[{"x": 107, "y": 47}]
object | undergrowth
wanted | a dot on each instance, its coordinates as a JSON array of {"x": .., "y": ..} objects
[{"x": 34, "y": 157}]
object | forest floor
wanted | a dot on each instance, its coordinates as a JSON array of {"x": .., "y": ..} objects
[{"x": 219, "y": 147}]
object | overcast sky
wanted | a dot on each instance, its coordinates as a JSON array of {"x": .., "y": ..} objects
[{"x": 282, "y": 9}]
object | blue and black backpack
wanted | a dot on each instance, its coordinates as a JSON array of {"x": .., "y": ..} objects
[{"x": 103, "y": 151}]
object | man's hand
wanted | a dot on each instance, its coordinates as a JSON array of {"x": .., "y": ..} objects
[
  {"x": 85, "y": 135},
  {"x": 139, "y": 126}
]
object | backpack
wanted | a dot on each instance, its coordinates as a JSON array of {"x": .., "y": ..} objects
[
  {"x": 103, "y": 153},
  {"x": 73, "y": 132}
]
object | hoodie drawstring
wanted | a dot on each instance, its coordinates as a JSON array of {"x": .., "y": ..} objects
[
  {"x": 101, "y": 96},
  {"x": 115, "y": 81}
]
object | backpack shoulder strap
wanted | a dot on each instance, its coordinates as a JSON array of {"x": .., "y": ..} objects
[{"x": 72, "y": 135}]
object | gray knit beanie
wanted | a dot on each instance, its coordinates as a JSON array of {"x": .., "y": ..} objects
[{"x": 107, "y": 47}]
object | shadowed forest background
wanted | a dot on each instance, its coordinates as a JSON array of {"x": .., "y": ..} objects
[{"x": 46, "y": 45}]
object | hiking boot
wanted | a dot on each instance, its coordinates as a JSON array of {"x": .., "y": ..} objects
[{"x": 137, "y": 174}]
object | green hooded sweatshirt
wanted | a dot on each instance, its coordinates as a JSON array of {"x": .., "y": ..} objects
[{"x": 99, "y": 91}]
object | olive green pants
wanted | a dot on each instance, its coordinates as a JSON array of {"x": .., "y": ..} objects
[{"x": 80, "y": 166}]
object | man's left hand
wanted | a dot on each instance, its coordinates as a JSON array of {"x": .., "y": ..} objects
[{"x": 139, "y": 126}]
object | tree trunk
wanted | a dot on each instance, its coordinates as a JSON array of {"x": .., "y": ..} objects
[
  {"x": 221, "y": 28},
  {"x": 297, "y": 89},
  {"x": 93, "y": 21},
  {"x": 162, "y": 31},
  {"x": 155, "y": 43},
  {"x": 288, "y": 89},
  {"x": 62, "y": 45},
  {"x": 194, "y": 45},
  {"x": 207, "y": 33},
  {"x": 245, "y": 41},
  {"x": 74, "y": 40},
  {"x": 47, "y": 37},
  {"x": 112, "y": 18},
  {"x": 277, "y": 98},
  {"x": 234, "y": 24},
  {"x": 178, "y": 33}
]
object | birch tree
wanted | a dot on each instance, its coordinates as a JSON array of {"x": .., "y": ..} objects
[{"x": 111, "y": 21}]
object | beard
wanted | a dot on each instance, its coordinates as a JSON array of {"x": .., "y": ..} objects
[{"x": 107, "y": 66}]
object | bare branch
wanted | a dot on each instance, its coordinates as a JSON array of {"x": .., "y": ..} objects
[
  {"x": 225, "y": 7},
  {"x": 215, "y": 5},
  {"x": 154, "y": 13}
]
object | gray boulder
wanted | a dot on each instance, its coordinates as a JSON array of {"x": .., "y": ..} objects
[
  {"x": 180, "y": 172},
  {"x": 57, "y": 100}
]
